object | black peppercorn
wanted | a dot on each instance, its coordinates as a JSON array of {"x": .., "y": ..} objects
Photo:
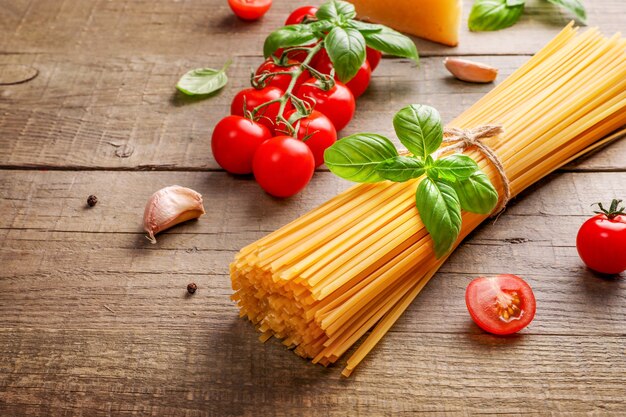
[
  {"x": 92, "y": 200},
  {"x": 191, "y": 288}
]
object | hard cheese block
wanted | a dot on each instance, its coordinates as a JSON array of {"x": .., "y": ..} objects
[{"x": 435, "y": 20}]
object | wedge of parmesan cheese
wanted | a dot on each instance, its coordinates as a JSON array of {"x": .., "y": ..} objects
[{"x": 435, "y": 20}]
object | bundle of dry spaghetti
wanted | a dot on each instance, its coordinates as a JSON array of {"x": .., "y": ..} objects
[{"x": 355, "y": 263}]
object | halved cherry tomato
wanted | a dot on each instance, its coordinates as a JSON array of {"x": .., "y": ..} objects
[
  {"x": 317, "y": 132},
  {"x": 253, "y": 98},
  {"x": 337, "y": 103},
  {"x": 357, "y": 85},
  {"x": 234, "y": 142},
  {"x": 250, "y": 9},
  {"x": 283, "y": 166},
  {"x": 501, "y": 305},
  {"x": 281, "y": 80},
  {"x": 373, "y": 57},
  {"x": 601, "y": 240},
  {"x": 298, "y": 15}
]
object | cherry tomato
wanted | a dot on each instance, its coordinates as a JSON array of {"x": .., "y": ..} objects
[
  {"x": 250, "y": 9},
  {"x": 253, "y": 98},
  {"x": 297, "y": 55},
  {"x": 283, "y": 166},
  {"x": 234, "y": 142},
  {"x": 601, "y": 240},
  {"x": 298, "y": 15},
  {"x": 317, "y": 132},
  {"x": 337, "y": 103},
  {"x": 501, "y": 305},
  {"x": 357, "y": 85},
  {"x": 281, "y": 80},
  {"x": 373, "y": 57}
]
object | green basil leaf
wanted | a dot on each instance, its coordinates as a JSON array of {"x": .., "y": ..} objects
[
  {"x": 356, "y": 157},
  {"x": 512, "y": 3},
  {"x": 476, "y": 193},
  {"x": 419, "y": 129},
  {"x": 455, "y": 166},
  {"x": 387, "y": 40},
  {"x": 333, "y": 10},
  {"x": 201, "y": 81},
  {"x": 493, "y": 15},
  {"x": 364, "y": 27},
  {"x": 292, "y": 35},
  {"x": 321, "y": 26},
  {"x": 401, "y": 168},
  {"x": 346, "y": 49},
  {"x": 574, "y": 6},
  {"x": 440, "y": 210}
]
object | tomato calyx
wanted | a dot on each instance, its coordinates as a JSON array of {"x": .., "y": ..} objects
[{"x": 613, "y": 210}]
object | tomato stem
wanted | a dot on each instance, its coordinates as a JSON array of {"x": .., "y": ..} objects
[
  {"x": 295, "y": 74},
  {"x": 613, "y": 210}
]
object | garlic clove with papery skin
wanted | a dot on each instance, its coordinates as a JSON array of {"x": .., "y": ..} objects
[
  {"x": 170, "y": 206},
  {"x": 470, "y": 71}
]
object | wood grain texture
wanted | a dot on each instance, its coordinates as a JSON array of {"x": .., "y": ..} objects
[
  {"x": 79, "y": 111},
  {"x": 200, "y": 28},
  {"x": 96, "y": 321}
]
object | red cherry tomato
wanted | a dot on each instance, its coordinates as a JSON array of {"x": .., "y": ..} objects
[
  {"x": 317, "y": 132},
  {"x": 297, "y": 55},
  {"x": 253, "y": 98},
  {"x": 283, "y": 166},
  {"x": 501, "y": 305},
  {"x": 601, "y": 240},
  {"x": 234, "y": 142},
  {"x": 357, "y": 85},
  {"x": 373, "y": 57},
  {"x": 337, "y": 103},
  {"x": 281, "y": 80},
  {"x": 298, "y": 15},
  {"x": 250, "y": 9}
]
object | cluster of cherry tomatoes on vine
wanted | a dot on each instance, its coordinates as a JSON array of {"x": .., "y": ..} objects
[{"x": 280, "y": 127}]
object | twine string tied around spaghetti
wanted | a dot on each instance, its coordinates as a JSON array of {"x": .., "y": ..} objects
[{"x": 461, "y": 139}]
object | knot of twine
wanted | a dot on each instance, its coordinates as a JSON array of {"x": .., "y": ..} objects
[{"x": 461, "y": 139}]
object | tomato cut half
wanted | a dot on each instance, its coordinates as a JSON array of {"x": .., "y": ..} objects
[{"x": 503, "y": 304}]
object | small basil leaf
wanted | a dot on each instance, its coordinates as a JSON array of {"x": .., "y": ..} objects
[
  {"x": 476, "y": 193},
  {"x": 419, "y": 129},
  {"x": 292, "y": 35},
  {"x": 356, "y": 157},
  {"x": 574, "y": 6},
  {"x": 334, "y": 9},
  {"x": 387, "y": 40},
  {"x": 493, "y": 15},
  {"x": 364, "y": 27},
  {"x": 456, "y": 166},
  {"x": 401, "y": 168},
  {"x": 321, "y": 26},
  {"x": 202, "y": 81},
  {"x": 346, "y": 49},
  {"x": 440, "y": 210}
]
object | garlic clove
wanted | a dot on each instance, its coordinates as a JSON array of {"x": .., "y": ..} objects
[
  {"x": 470, "y": 71},
  {"x": 170, "y": 206}
]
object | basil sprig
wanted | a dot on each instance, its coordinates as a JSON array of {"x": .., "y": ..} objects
[
  {"x": 499, "y": 14},
  {"x": 345, "y": 38},
  {"x": 452, "y": 183}
]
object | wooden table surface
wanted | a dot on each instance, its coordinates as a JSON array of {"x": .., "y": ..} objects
[{"x": 94, "y": 320}]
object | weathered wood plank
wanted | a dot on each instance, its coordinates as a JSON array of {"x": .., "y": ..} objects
[
  {"x": 200, "y": 28},
  {"x": 201, "y": 371},
  {"x": 79, "y": 111},
  {"x": 62, "y": 258}
]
